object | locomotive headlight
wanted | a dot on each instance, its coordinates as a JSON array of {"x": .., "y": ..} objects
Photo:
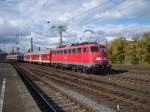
[
  {"x": 101, "y": 58},
  {"x": 98, "y": 58}
]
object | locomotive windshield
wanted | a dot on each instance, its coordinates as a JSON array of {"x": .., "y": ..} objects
[{"x": 94, "y": 49}]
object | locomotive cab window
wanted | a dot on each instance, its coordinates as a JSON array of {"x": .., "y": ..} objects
[
  {"x": 94, "y": 49},
  {"x": 103, "y": 49}
]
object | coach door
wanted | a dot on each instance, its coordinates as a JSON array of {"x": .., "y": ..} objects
[{"x": 85, "y": 55}]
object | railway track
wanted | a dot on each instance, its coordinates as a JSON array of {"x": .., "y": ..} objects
[
  {"x": 51, "y": 99},
  {"x": 114, "y": 93},
  {"x": 141, "y": 86},
  {"x": 132, "y": 67},
  {"x": 137, "y": 70}
]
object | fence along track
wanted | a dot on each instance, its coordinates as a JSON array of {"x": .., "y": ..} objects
[
  {"x": 65, "y": 103},
  {"x": 122, "y": 99}
]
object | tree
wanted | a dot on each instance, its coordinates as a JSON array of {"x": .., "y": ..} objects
[
  {"x": 130, "y": 52},
  {"x": 117, "y": 48}
]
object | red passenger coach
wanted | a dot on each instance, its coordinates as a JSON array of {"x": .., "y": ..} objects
[
  {"x": 27, "y": 57},
  {"x": 11, "y": 57},
  {"x": 45, "y": 56},
  {"x": 35, "y": 57}
]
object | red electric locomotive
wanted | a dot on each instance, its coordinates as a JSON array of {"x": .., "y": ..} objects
[{"x": 88, "y": 57}]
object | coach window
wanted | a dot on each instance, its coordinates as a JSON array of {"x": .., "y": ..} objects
[
  {"x": 78, "y": 50},
  {"x": 44, "y": 55},
  {"x": 36, "y": 56},
  {"x": 73, "y": 50}
]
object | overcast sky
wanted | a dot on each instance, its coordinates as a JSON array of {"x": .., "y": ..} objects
[{"x": 21, "y": 19}]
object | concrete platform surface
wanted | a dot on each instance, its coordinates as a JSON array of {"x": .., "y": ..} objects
[{"x": 14, "y": 96}]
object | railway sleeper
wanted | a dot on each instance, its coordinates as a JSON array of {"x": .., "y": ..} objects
[
  {"x": 66, "y": 104},
  {"x": 71, "y": 108},
  {"x": 63, "y": 101}
]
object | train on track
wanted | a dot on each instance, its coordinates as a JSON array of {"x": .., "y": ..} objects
[{"x": 87, "y": 57}]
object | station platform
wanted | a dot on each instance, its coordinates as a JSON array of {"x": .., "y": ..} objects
[{"x": 14, "y": 96}]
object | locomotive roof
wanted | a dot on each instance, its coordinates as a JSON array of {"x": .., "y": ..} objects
[
  {"x": 75, "y": 45},
  {"x": 78, "y": 45},
  {"x": 45, "y": 51}
]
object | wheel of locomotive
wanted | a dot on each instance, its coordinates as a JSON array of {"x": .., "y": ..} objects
[
  {"x": 81, "y": 69},
  {"x": 105, "y": 71},
  {"x": 55, "y": 67},
  {"x": 74, "y": 68},
  {"x": 61, "y": 67},
  {"x": 86, "y": 70}
]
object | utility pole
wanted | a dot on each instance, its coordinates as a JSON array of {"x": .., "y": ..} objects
[
  {"x": 31, "y": 45},
  {"x": 60, "y": 33},
  {"x": 17, "y": 50},
  {"x": 39, "y": 48},
  {"x": 60, "y": 28},
  {"x": 13, "y": 52}
]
